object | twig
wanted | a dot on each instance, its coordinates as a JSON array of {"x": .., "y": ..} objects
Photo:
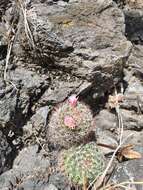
[
  {"x": 100, "y": 180},
  {"x": 42, "y": 146},
  {"x": 8, "y": 56},
  {"x": 121, "y": 127},
  {"x": 123, "y": 184},
  {"x": 7, "y": 61},
  {"x": 27, "y": 28},
  {"x": 90, "y": 185}
]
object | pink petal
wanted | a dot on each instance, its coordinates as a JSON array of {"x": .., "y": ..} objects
[
  {"x": 69, "y": 122},
  {"x": 73, "y": 100}
]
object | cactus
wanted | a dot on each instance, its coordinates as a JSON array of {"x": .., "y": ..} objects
[
  {"x": 70, "y": 123},
  {"x": 84, "y": 161}
]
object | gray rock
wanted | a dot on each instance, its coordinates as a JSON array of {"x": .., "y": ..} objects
[
  {"x": 34, "y": 162},
  {"x": 59, "y": 181},
  {"x": 16, "y": 104},
  {"x": 134, "y": 137},
  {"x": 39, "y": 119},
  {"x": 70, "y": 48},
  {"x": 135, "y": 61},
  {"x": 130, "y": 171},
  {"x": 50, "y": 187},
  {"x": 132, "y": 105},
  {"x": 5, "y": 153},
  {"x": 106, "y": 138},
  {"x": 29, "y": 168},
  {"x": 106, "y": 120},
  {"x": 4, "y": 4},
  {"x": 32, "y": 184},
  {"x": 58, "y": 92},
  {"x": 72, "y": 45},
  {"x": 9, "y": 177},
  {"x": 134, "y": 14},
  {"x": 132, "y": 120},
  {"x": 35, "y": 128}
]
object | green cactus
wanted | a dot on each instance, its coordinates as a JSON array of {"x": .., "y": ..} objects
[
  {"x": 82, "y": 161},
  {"x": 70, "y": 125}
]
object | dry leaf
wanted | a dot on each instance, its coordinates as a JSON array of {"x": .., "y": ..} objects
[
  {"x": 127, "y": 152},
  {"x": 113, "y": 101}
]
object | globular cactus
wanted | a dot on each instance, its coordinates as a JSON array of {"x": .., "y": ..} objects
[
  {"x": 70, "y": 123},
  {"x": 82, "y": 162}
]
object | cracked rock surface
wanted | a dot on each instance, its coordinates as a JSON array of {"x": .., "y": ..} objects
[{"x": 64, "y": 47}]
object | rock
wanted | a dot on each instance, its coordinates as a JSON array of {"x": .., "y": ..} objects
[
  {"x": 5, "y": 154},
  {"x": 3, "y": 5},
  {"x": 75, "y": 47},
  {"x": 35, "y": 162},
  {"x": 105, "y": 120},
  {"x": 129, "y": 171},
  {"x": 133, "y": 17},
  {"x": 7, "y": 178},
  {"x": 67, "y": 50},
  {"x": 71, "y": 46},
  {"x": 132, "y": 104},
  {"x": 33, "y": 184},
  {"x": 28, "y": 168},
  {"x": 17, "y": 98},
  {"x": 107, "y": 138},
  {"x": 39, "y": 119},
  {"x": 8, "y": 101},
  {"x": 59, "y": 181},
  {"x": 131, "y": 120},
  {"x": 133, "y": 101},
  {"x": 135, "y": 62},
  {"x": 58, "y": 92},
  {"x": 50, "y": 187},
  {"x": 134, "y": 137},
  {"x": 34, "y": 130},
  {"x": 134, "y": 4}
]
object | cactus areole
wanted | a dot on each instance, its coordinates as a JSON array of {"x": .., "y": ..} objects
[{"x": 70, "y": 122}]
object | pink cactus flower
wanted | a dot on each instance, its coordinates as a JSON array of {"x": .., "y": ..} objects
[
  {"x": 73, "y": 100},
  {"x": 70, "y": 122}
]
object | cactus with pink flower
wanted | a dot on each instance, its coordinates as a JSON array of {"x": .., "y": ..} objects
[{"x": 70, "y": 123}]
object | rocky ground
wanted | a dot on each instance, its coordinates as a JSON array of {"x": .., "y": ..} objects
[{"x": 57, "y": 48}]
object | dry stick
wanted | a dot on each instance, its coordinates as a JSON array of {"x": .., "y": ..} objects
[
  {"x": 8, "y": 56},
  {"x": 27, "y": 28},
  {"x": 121, "y": 128},
  {"x": 120, "y": 120},
  {"x": 90, "y": 185},
  {"x": 123, "y": 184},
  {"x": 101, "y": 178},
  {"x": 129, "y": 183},
  {"x": 7, "y": 62}
]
